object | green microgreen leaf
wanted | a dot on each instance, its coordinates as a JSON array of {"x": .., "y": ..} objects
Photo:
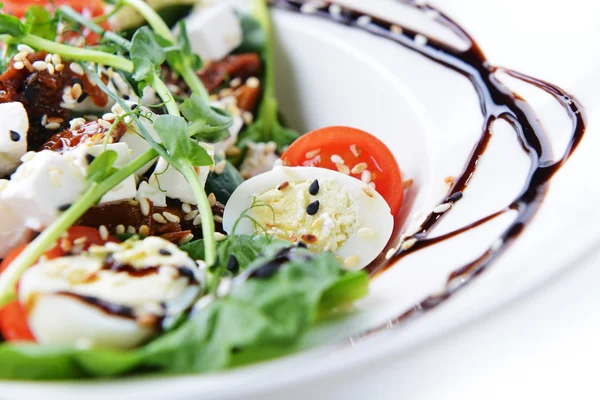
[
  {"x": 209, "y": 124},
  {"x": 11, "y": 25},
  {"x": 193, "y": 60},
  {"x": 146, "y": 53},
  {"x": 39, "y": 22},
  {"x": 173, "y": 131},
  {"x": 102, "y": 167}
]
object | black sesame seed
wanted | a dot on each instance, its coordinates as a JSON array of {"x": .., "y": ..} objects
[
  {"x": 64, "y": 207},
  {"x": 314, "y": 188},
  {"x": 134, "y": 106},
  {"x": 186, "y": 273},
  {"x": 89, "y": 158},
  {"x": 313, "y": 208},
  {"x": 164, "y": 252},
  {"x": 82, "y": 98},
  {"x": 75, "y": 81},
  {"x": 125, "y": 97},
  {"x": 233, "y": 264},
  {"x": 455, "y": 197},
  {"x": 302, "y": 245},
  {"x": 15, "y": 136}
]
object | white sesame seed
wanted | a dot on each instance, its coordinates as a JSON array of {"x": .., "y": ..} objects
[
  {"x": 186, "y": 239},
  {"x": 406, "y": 245},
  {"x": 103, "y": 230},
  {"x": 145, "y": 207},
  {"x": 50, "y": 69},
  {"x": 56, "y": 59},
  {"x": 40, "y": 65},
  {"x": 171, "y": 217},
  {"x": 368, "y": 190},
  {"x": 159, "y": 218},
  {"x": 81, "y": 240},
  {"x": 363, "y": 20},
  {"x": 237, "y": 82},
  {"x": 391, "y": 252},
  {"x": 366, "y": 176},
  {"x": 59, "y": 67},
  {"x": 55, "y": 177},
  {"x": 19, "y": 65},
  {"x": 120, "y": 229},
  {"x": 372, "y": 185},
  {"x": 248, "y": 117},
  {"x": 24, "y": 48},
  {"x": 219, "y": 236},
  {"x": 191, "y": 215},
  {"x": 76, "y": 91},
  {"x": 90, "y": 117},
  {"x": 20, "y": 56},
  {"x": 197, "y": 221},
  {"x": 48, "y": 58},
  {"x": 52, "y": 126},
  {"x": 109, "y": 117},
  {"x": 309, "y": 8},
  {"x": 212, "y": 199},
  {"x": 355, "y": 150},
  {"x": 186, "y": 208},
  {"x": 76, "y": 123},
  {"x": 44, "y": 120},
  {"x": 312, "y": 153},
  {"x": 218, "y": 218},
  {"x": 220, "y": 167},
  {"x": 420, "y": 40},
  {"x": 253, "y": 82},
  {"x": 104, "y": 124},
  {"x": 351, "y": 261},
  {"x": 76, "y": 68},
  {"x": 366, "y": 232},
  {"x": 131, "y": 230},
  {"x": 442, "y": 208},
  {"x": 335, "y": 10},
  {"x": 359, "y": 168},
  {"x": 144, "y": 230},
  {"x": 344, "y": 169},
  {"x": 28, "y": 64},
  {"x": 336, "y": 159},
  {"x": 396, "y": 29}
]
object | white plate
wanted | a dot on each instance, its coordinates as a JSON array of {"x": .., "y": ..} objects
[{"x": 429, "y": 116}]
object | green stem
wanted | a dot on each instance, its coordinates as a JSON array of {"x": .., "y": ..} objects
[
  {"x": 165, "y": 94},
  {"x": 154, "y": 20},
  {"x": 10, "y": 276},
  {"x": 193, "y": 81},
  {"x": 206, "y": 215},
  {"x": 97, "y": 29},
  {"x": 76, "y": 53}
]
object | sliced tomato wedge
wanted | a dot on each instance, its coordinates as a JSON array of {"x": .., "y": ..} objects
[
  {"x": 13, "y": 319},
  {"x": 354, "y": 152}
]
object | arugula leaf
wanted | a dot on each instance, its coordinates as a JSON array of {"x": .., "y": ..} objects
[
  {"x": 147, "y": 55},
  {"x": 102, "y": 167},
  {"x": 39, "y": 21},
  {"x": 10, "y": 25},
  {"x": 173, "y": 132}
]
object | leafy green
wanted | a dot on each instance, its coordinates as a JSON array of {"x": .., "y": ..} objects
[
  {"x": 173, "y": 131},
  {"x": 208, "y": 124},
  {"x": 184, "y": 57},
  {"x": 259, "y": 318},
  {"x": 11, "y": 25},
  {"x": 102, "y": 167},
  {"x": 147, "y": 55},
  {"x": 267, "y": 126},
  {"x": 224, "y": 184},
  {"x": 254, "y": 39},
  {"x": 39, "y": 21}
]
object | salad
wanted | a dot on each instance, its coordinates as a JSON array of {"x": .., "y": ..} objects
[{"x": 156, "y": 215}]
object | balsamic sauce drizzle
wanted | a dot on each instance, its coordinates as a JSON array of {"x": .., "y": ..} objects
[{"x": 497, "y": 101}]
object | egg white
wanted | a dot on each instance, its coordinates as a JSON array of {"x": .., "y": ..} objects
[{"x": 372, "y": 211}]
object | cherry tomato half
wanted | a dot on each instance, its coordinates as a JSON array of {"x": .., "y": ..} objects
[
  {"x": 363, "y": 155},
  {"x": 13, "y": 320}
]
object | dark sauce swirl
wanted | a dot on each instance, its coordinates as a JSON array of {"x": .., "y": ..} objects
[{"x": 497, "y": 101}]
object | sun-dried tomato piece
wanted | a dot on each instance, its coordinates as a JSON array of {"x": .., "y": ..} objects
[
  {"x": 214, "y": 74},
  {"x": 91, "y": 132}
]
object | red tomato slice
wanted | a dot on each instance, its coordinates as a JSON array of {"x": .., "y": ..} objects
[
  {"x": 13, "y": 320},
  {"x": 358, "y": 149},
  {"x": 87, "y": 7}
]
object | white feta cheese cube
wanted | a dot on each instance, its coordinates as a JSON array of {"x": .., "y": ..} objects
[
  {"x": 137, "y": 144},
  {"x": 234, "y": 131},
  {"x": 125, "y": 190},
  {"x": 42, "y": 186},
  {"x": 174, "y": 184},
  {"x": 13, "y": 231},
  {"x": 214, "y": 31},
  {"x": 152, "y": 193},
  {"x": 14, "y": 125}
]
